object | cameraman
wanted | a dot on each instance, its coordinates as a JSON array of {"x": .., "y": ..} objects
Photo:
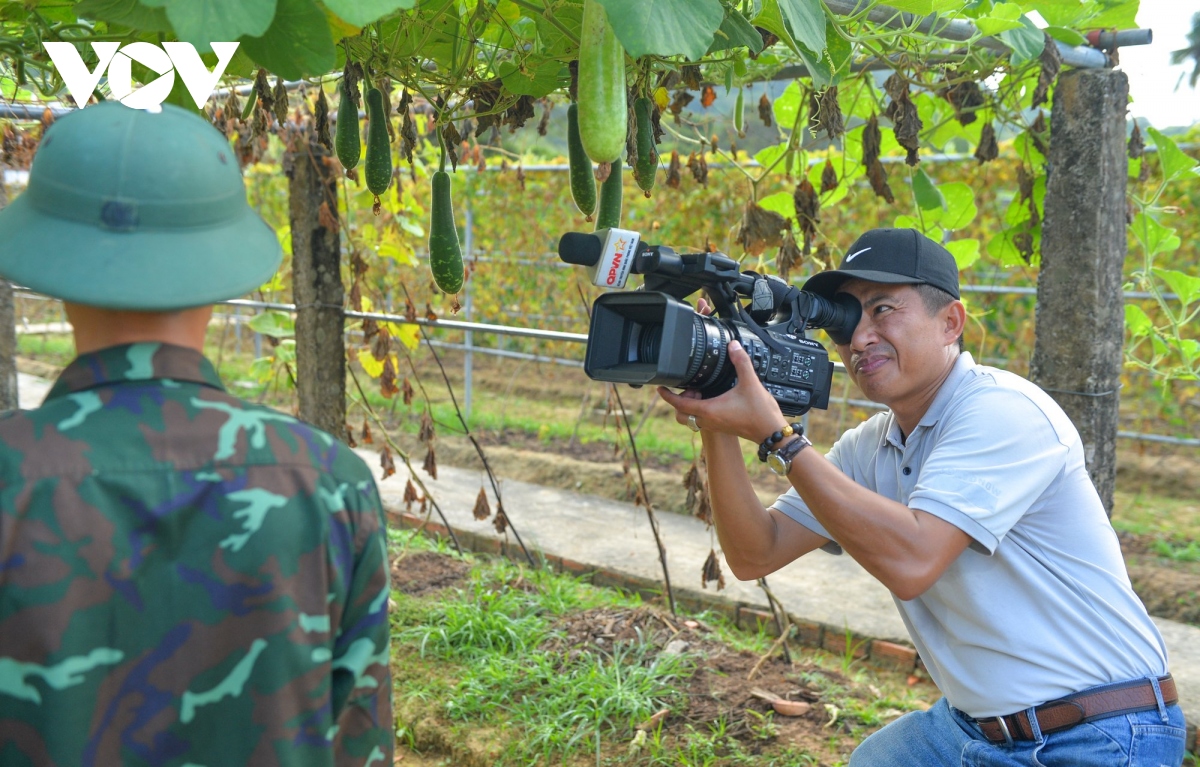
[{"x": 969, "y": 499}]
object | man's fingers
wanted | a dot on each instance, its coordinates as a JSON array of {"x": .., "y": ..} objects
[{"x": 741, "y": 361}]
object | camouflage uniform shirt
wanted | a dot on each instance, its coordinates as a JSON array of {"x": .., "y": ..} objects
[{"x": 186, "y": 578}]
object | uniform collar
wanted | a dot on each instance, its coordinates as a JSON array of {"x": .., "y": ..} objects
[
  {"x": 941, "y": 400},
  {"x": 135, "y": 362}
]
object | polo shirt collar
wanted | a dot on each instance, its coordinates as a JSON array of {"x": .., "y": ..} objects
[
  {"x": 135, "y": 362},
  {"x": 962, "y": 366}
]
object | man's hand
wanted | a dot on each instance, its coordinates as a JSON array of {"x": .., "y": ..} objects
[{"x": 747, "y": 410}]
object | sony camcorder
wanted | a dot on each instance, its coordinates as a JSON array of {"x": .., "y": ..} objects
[{"x": 651, "y": 336}]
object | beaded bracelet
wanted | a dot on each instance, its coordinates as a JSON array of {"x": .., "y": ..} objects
[{"x": 777, "y": 437}]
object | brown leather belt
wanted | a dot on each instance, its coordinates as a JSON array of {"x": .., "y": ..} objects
[{"x": 1110, "y": 700}]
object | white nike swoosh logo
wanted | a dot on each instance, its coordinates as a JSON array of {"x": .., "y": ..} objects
[{"x": 850, "y": 257}]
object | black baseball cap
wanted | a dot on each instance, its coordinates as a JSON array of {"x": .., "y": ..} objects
[{"x": 892, "y": 256}]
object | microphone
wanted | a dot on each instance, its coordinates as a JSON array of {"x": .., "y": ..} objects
[
  {"x": 608, "y": 254},
  {"x": 580, "y": 248}
]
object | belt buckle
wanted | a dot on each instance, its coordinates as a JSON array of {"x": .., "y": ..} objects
[{"x": 1008, "y": 739}]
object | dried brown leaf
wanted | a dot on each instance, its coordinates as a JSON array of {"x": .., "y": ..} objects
[
  {"x": 877, "y": 175},
  {"x": 389, "y": 466},
  {"x": 1051, "y": 61},
  {"x": 829, "y": 178},
  {"x": 381, "y": 347},
  {"x": 426, "y": 431},
  {"x": 789, "y": 255},
  {"x": 765, "y": 113},
  {"x": 988, "y": 149},
  {"x": 712, "y": 571},
  {"x": 699, "y": 167},
  {"x": 760, "y": 229},
  {"x": 321, "y": 116},
  {"x": 483, "y": 509},
  {"x": 430, "y": 464},
  {"x": 387, "y": 379},
  {"x": 674, "y": 177}
]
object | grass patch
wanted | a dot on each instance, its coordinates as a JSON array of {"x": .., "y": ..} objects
[{"x": 499, "y": 666}]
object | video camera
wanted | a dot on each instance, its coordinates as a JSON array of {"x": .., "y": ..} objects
[{"x": 651, "y": 336}]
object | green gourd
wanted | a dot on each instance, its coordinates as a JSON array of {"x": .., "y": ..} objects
[
  {"x": 601, "y": 90},
  {"x": 646, "y": 167},
  {"x": 445, "y": 255},
  {"x": 609, "y": 214},
  {"x": 379, "y": 148},
  {"x": 583, "y": 182},
  {"x": 346, "y": 141}
]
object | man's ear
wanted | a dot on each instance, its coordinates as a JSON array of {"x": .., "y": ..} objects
[{"x": 955, "y": 317}]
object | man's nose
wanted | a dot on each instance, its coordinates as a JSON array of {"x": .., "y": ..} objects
[{"x": 864, "y": 334}]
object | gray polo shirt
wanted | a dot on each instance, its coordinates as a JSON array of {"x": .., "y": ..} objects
[{"x": 1039, "y": 605}]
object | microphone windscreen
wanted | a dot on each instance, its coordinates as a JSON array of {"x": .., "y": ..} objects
[{"x": 580, "y": 248}]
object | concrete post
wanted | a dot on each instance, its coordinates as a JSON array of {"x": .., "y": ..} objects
[
  {"x": 8, "y": 333},
  {"x": 317, "y": 288},
  {"x": 1078, "y": 352}
]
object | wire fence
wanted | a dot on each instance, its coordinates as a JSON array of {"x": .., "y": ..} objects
[{"x": 469, "y": 348}]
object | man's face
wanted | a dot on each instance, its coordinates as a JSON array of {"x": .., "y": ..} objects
[{"x": 898, "y": 352}]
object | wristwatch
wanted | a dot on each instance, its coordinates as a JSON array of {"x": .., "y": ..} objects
[{"x": 780, "y": 461}]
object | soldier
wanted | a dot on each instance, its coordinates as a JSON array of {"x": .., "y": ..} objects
[{"x": 184, "y": 577}]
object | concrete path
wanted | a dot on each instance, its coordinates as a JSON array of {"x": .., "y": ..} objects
[{"x": 605, "y": 535}]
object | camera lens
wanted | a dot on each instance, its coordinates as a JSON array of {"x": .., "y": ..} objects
[
  {"x": 649, "y": 343},
  {"x": 710, "y": 342}
]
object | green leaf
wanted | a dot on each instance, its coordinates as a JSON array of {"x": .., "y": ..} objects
[
  {"x": 782, "y": 203},
  {"x": 127, "y": 13},
  {"x": 818, "y": 67},
  {"x": 1027, "y": 42},
  {"x": 770, "y": 18},
  {"x": 907, "y": 222},
  {"x": 768, "y": 155},
  {"x": 1062, "y": 13},
  {"x": 665, "y": 27},
  {"x": 960, "y": 205},
  {"x": 1137, "y": 322},
  {"x": 919, "y": 7},
  {"x": 838, "y": 51},
  {"x": 990, "y": 27},
  {"x": 362, "y": 12},
  {"x": 202, "y": 22},
  {"x": 1183, "y": 285},
  {"x": 1173, "y": 159},
  {"x": 807, "y": 21},
  {"x": 736, "y": 32},
  {"x": 965, "y": 252},
  {"x": 926, "y": 192},
  {"x": 1154, "y": 236},
  {"x": 544, "y": 78},
  {"x": 1118, "y": 14},
  {"x": 298, "y": 43},
  {"x": 1190, "y": 349},
  {"x": 273, "y": 323},
  {"x": 1066, "y": 36},
  {"x": 787, "y": 106}
]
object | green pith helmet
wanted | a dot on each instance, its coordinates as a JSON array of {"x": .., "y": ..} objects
[{"x": 131, "y": 209}]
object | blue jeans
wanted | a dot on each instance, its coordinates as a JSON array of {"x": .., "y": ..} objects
[{"x": 945, "y": 737}]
